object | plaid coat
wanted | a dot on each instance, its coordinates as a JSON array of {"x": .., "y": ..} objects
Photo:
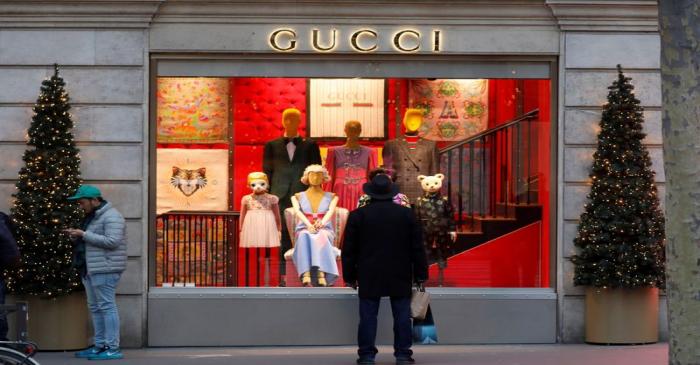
[{"x": 408, "y": 164}]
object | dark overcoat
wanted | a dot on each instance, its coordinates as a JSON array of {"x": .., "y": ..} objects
[
  {"x": 383, "y": 250},
  {"x": 9, "y": 252}
]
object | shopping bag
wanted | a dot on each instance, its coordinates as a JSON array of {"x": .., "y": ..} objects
[
  {"x": 424, "y": 331},
  {"x": 420, "y": 300}
]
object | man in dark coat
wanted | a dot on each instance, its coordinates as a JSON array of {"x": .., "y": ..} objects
[
  {"x": 9, "y": 255},
  {"x": 284, "y": 161},
  {"x": 383, "y": 255}
]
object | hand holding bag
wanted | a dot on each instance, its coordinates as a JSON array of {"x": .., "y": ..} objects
[
  {"x": 424, "y": 330},
  {"x": 420, "y": 301}
]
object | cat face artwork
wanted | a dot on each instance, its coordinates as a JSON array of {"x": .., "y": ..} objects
[
  {"x": 189, "y": 181},
  {"x": 192, "y": 180}
]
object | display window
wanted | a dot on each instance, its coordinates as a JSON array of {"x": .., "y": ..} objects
[{"x": 242, "y": 165}]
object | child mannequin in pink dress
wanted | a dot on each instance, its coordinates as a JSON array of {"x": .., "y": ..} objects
[
  {"x": 348, "y": 166},
  {"x": 260, "y": 222}
]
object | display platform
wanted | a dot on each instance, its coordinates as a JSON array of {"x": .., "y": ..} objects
[{"x": 328, "y": 316}]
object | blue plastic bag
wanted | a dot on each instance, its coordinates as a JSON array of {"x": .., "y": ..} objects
[{"x": 424, "y": 331}]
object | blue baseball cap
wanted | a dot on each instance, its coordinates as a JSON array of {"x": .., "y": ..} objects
[{"x": 86, "y": 192}]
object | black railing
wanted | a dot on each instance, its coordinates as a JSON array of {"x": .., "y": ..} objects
[
  {"x": 488, "y": 173},
  {"x": 196, "y": 248}
]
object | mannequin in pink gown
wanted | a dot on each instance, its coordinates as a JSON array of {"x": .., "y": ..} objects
[{"x": 348, "y": 166}]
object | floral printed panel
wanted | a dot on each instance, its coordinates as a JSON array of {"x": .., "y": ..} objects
[
  {"x": 453, "y": 110},
  {"x": 192, "y": 110}
]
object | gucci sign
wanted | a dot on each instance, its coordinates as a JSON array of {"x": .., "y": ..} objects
[{"x": 361, "y": 40}]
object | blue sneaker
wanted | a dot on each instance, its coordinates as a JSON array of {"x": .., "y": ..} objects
[
  {"x": 107, "y": 354},
  {"x": 90, "y": 351}
]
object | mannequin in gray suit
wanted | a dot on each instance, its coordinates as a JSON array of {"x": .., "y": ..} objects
[{"x": 410, "y": 156}]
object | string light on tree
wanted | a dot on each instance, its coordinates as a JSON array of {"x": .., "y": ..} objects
[
  {"x": 621, "y": 231},
  {"x": 41, "y": 212}
]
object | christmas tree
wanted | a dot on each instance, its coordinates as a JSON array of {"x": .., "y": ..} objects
[
  {"x": 621, "y": 232},
  {"x": 41, "y": 212}
]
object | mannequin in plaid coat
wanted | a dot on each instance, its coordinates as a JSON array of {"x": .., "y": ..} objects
[{"x": 410, "y": 156}]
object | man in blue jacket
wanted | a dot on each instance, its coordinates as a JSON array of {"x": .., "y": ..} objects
[{"x": 100, "y": 256}]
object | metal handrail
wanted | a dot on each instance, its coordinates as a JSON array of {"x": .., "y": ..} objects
[
  {"x": 529, "y": 115},
  {"x": 487, "y": 173}
]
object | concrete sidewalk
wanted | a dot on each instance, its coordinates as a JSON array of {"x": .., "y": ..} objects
[{"x": 432, "y": 355}]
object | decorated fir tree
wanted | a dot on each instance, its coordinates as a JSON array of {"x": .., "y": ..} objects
[
  {"x": 621, "y": 232},
  {"x": 41, "y": 212}
]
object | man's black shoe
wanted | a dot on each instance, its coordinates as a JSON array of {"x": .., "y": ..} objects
[
  {"x": 405, "y": 361},
  {"x": 365, "y": 361}
]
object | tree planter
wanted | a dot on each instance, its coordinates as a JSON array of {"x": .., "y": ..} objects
[
  {"x": 622, "y": 316},
  {"x": 59, "y": 324}
]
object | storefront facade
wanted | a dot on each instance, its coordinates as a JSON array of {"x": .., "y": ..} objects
[{"x": 554, "y": 56}]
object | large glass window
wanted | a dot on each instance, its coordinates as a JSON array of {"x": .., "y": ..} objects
[{"x": 492, "y": 137}]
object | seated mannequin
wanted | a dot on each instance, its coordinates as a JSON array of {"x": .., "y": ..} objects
[
  {"x": 315, "y": 235},
  {"x": 339, "y": 220},
  {"x": 284, "y": 160}
]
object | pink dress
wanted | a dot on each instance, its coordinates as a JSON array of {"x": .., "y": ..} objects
[
  {"x": 348, "y": 168},
  {"x": 260, "y": 221}
]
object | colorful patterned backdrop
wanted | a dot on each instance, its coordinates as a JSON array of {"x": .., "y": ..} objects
[
  {"x": 453, "y": 110},
  {"x": 192, "y": 110}
]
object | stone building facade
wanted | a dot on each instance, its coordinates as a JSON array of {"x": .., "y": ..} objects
[{"x": 108, "y": 51}]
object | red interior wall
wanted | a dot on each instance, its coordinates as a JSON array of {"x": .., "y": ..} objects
[
  {"x": 256, "y": 108},
  {"x": 257, "y": 105},
  {"x": 538, "y": 95},
  {"x": 509, "y": 261},
  {"x": 502, "y": 109}
]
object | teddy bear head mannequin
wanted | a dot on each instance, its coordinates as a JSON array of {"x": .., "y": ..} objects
[{"x": 431, "y": 184}]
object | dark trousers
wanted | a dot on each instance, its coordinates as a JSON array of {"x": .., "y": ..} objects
[{"x": 367, "y": 331}]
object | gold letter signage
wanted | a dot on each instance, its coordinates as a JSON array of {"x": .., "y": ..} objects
[
  {"x": 356, "y": 37},
  {"x": 363, "y": 40},
  {"x": 287, "y": 34},
  {"x": 399, "y": 42}
]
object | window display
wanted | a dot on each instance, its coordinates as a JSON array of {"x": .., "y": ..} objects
[{"x": 470, "y": 156}]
